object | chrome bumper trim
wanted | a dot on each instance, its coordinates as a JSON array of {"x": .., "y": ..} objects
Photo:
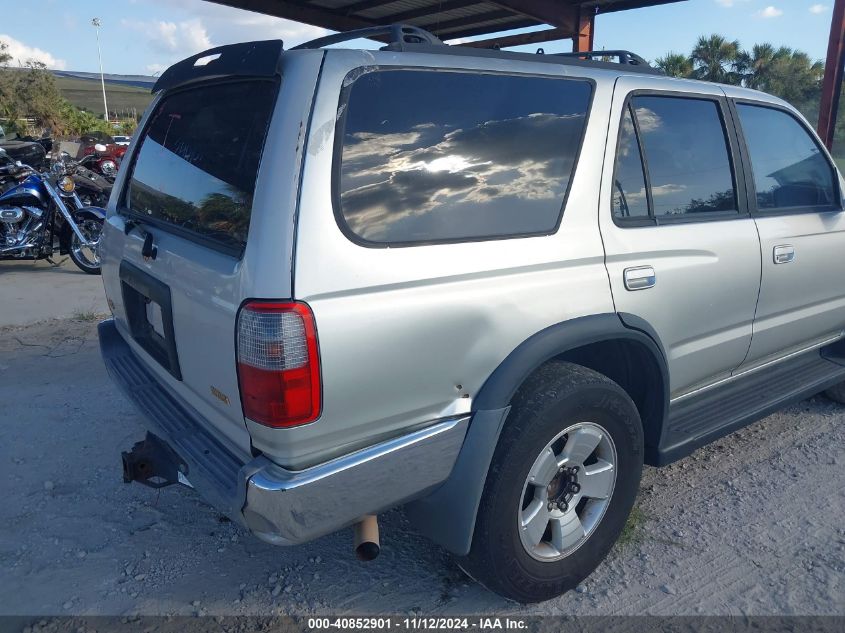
[
  {"x": 289, "y": 507},
  {"x": 281, "y": 506}
]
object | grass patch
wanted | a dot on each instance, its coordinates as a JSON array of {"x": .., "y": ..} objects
[
  {"x": 89, "y": 315},
  {"x": 87, "y": 93},
  {"x": 634, "y": 531}
]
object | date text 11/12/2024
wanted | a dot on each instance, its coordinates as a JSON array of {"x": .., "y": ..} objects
[{"x": 416, "y": 623}]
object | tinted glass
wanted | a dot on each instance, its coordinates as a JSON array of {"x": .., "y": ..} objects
[
  {"x": 198, "y": 162},
  {"x": 687, "y": 155},
  {"x": 430, "y": 156},
  {"x": 629, "y": 193},
  {"x": 789, "y": 167}
]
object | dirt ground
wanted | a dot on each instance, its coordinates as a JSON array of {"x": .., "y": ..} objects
[
  {"x": 754, "y": 524},
  {"x": 32, "y": 291}
]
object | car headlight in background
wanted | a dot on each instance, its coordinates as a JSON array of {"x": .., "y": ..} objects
[{"x": 66, "y": 184}]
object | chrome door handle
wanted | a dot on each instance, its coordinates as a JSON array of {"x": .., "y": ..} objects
[
  {"x": 784, "y": 254},
  {"x": 639, "y": 278}
]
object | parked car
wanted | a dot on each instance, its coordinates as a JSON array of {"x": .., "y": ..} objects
[
  {"x": 23, "y": 149},
  {"x": 122, "y": 140},
  {"x": 491, "y": 300}
]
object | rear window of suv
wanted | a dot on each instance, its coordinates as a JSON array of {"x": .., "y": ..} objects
[
  {"x": 196, "y": 167},
  {"x": 443, "y": 156}
]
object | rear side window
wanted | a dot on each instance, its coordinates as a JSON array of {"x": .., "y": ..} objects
[
  {"x": 687, "y": 155},
  {"x": 438, "y": 156},
  {"x": 196, "y": 168},
  {"x": 789, "y": 167}
]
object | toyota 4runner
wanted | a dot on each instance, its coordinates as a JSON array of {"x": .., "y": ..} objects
[{"x": 485, "y": 286}]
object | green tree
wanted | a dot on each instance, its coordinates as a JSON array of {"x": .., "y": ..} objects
[
  {"x": 793, "y": 76},
  {"x": 758, "y": 64},
  {"x": 8, "y": 99},
  {"x": 30, "y": 92},
  {"x": 675, "y": 65},
  {"x": 38, "y": 95},
  {"x": 716, "y": 59}
]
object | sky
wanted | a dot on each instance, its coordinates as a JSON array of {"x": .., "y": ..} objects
[{"x": 146, "y": 36}]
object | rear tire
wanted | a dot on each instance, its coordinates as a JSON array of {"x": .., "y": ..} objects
[{"x": 560, "y": 397}]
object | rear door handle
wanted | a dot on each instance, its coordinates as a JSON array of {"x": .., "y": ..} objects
[
  {"x": 639, "y": 278},
  {"x": 784, "y": 254}
]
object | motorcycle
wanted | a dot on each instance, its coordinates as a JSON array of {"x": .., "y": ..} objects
[
  {"x": 102, "y": 161},
  {"x": 92, "y": 188},
  {"x": 40, "y": 212}
]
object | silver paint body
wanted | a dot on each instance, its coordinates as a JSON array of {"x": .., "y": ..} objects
[{"x": 408, "y": 336}]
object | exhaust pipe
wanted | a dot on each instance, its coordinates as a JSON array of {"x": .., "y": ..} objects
[{"x": 366, "y": 541}]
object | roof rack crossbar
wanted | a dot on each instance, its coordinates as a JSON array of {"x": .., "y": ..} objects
[
  {"x": 624, "y": 57},
  {"x": 406, "y": 37},
  {"x": 400, "y": 34}
]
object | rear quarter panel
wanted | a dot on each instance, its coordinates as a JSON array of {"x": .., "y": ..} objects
[{"x": 409, "y": 335}]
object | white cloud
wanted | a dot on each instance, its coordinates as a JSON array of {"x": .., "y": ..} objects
[
  {"x": 170, "y": 41},
  {"x": 207, "y": 24},
  {"x": 818, "y": 8},
  {"x": 729, "y": 3},
  {"x": 176, "y": 38},
  {"x": 226, "y": 25},
  {"x": 21, "y": 53},
  {"x": 770, "y": 12}
]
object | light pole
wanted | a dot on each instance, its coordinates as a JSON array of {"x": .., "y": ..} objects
[{"x": 96, "y": 24}]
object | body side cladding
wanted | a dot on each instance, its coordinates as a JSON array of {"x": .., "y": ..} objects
[
  {"x": 654, "y": 434},
  {"x": 459, "y": 496},
  {"x": 490, "y": 410}
]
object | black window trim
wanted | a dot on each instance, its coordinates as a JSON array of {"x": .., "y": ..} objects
[
  {"x": 751, "y": 185},
  {"x": 340, "y": 131},
  {"x": 639, "y": 220},
  {"x": 203, "y": 240},
  {"x": 734, "y": 157}
]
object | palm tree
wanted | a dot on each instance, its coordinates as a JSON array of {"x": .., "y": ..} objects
[
  {"x": 793, "y": 76},
  {"x": 715, "y": 59},
  {"x": 759, "y": 65},
  {"x": 675, "y": 65}
]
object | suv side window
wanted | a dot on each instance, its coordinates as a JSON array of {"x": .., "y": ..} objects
[
  {"x": 629, "y": 187},
  {"x": 687, "y": 155},
  {"x": 443, "y": 156},
  {"x": 790, "y": 170}
]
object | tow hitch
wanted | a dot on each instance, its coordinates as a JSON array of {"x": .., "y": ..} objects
[{"x": 153, "y": 463}]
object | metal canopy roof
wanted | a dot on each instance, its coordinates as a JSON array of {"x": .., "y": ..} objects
[{"x": 448, "y": 19}]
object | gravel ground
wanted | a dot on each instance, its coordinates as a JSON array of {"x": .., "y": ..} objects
[
  {"x": 33, "y": 291},
  {"x": 754, "y": 524}
]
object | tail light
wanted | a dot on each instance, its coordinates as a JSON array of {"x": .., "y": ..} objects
[{"x": 278, "y": 363}]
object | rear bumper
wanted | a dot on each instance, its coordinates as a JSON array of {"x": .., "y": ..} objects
[{"x": 282, "y": 506}]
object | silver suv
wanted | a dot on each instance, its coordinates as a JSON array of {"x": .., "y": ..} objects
[{"x": 485, "y": 286}]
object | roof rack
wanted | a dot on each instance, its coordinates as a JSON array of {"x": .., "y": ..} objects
[
  {"x": 624, "y": 57},
  {"x": 400, "y": 34},
  {"x": 409, "y": 38}
]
